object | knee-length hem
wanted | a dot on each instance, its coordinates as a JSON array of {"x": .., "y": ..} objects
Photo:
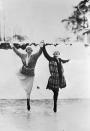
[
  {"x": 57, "y": 79},
  {"x": 26, "y": 81}
]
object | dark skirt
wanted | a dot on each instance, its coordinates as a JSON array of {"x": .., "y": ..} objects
[{"x": 54, "y": 83}]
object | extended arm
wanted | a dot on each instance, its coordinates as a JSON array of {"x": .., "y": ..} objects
[
  {"x": 16, "y": 51},
  {"x": 64, "y": 61},
  {"x": 46, "y": 54},
  {"x": 36, "y": 55}
]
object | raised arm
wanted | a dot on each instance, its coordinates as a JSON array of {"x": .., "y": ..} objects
[
  {"x": 37, "y": 54},
  {"x": 48, "y": 57},
  {"x": 16, "y": 51}
]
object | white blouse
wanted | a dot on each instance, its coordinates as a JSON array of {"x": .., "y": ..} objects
[{"x": 27, "y": 59}]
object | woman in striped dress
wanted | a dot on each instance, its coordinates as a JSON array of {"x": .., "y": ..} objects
[{"x": 56, "y": 79}]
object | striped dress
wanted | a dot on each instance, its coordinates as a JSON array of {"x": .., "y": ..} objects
[{"x": 56, "y": 79}]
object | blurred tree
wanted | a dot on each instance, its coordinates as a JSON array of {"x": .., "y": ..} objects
[
  {"x": 78, "y": 20},
  {"x": 19, "y": 37}
]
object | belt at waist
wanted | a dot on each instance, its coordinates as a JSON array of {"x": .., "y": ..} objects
[
  {"x": 27, "y": 71},
  {"x": 28, "y": 68}
]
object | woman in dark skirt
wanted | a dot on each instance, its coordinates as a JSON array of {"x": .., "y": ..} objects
[{"x": 56, "y": 79}]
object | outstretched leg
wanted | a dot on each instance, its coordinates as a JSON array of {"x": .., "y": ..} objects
[
  {"x": 28, "y": 91},
  {"x": 55, "y": 97}
]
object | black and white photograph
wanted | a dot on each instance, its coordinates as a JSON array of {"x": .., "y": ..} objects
[{"x": 44, "y": 65}]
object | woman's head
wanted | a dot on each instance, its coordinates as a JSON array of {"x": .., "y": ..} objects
[
  {"x": 56, "y": 54},
  {"x": 29, "y": 49}
]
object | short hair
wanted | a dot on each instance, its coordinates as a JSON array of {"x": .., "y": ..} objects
[
  {"x": 56, "y": 53},
  {"x": 29, "y": 47},
  {"x": 42, "y": 41}
]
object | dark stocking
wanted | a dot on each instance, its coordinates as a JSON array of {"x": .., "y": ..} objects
[
  {"x": 55, "y": 97},
  {"x": 28, "y": 104}
]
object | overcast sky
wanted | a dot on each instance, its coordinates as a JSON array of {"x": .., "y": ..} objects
[{"x": 40, "y": 19}]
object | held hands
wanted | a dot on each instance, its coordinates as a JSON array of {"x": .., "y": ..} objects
[
  {"x": 11, "y": 44},
  {"x": 42, "y": 43}
]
